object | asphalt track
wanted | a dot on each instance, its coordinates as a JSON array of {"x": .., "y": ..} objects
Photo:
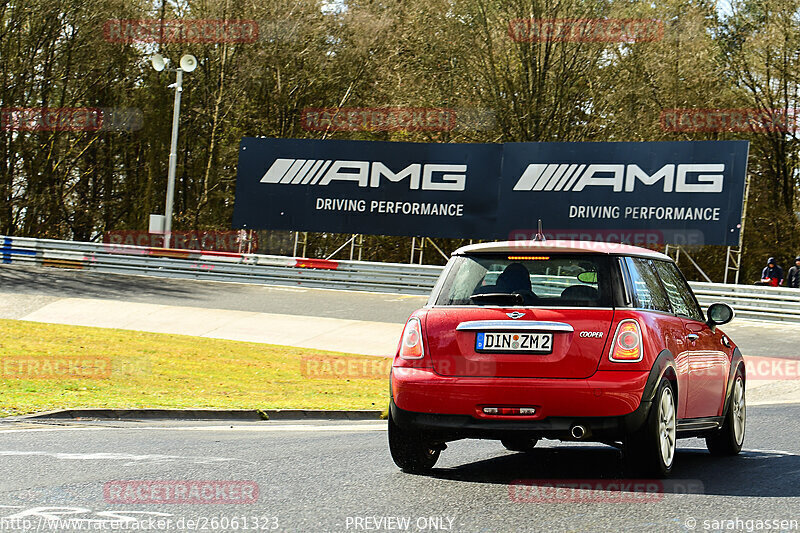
[
  {"x": 41, "y": 285},
  {"x": 329, "y": 476}
]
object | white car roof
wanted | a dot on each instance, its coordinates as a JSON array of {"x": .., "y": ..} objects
[{"x": 541, "y": 247}]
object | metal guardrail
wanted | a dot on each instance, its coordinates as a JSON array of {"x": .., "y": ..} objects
[
  {"x": 221, "y": 266},
  {"x": 754, "y": 302}
]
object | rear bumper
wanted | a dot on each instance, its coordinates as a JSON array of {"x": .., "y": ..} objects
[
  {"x": 609, "y": 403},
  {"x": 606, "y": 393},
  {"x": 444, "y": 428}
]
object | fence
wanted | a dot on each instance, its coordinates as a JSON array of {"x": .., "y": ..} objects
[{"x": 764, "y": 303}]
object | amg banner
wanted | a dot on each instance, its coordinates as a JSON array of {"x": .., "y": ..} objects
[
  {"x": 639, "y": 193},
  {"x": 379, "y": 188},
  {"x": 684, "y": 192}
]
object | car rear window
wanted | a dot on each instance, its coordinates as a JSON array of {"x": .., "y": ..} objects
[{"x": 554, "y": 280}]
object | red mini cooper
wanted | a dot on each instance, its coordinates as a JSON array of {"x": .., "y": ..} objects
[{"x": 577, "y": 341}]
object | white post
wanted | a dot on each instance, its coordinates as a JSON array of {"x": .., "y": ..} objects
[
  {"x": 727, "y": 264},
  {"x": 173, "y": 159},
  {"x": 352, "y": 247}
]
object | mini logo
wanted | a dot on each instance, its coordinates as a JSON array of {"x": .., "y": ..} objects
[{"x": 515, "y": 315}]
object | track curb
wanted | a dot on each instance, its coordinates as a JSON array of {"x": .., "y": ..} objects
[{"x": 203, "y": 414}]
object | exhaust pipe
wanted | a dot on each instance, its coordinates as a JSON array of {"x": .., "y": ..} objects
[{"x": 578, "y": 432}]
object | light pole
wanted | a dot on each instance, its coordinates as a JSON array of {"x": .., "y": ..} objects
[{"x": 187, "y": 64}]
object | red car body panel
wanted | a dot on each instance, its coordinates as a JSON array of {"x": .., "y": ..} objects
[
  {"x": 604, "y": 394},
  {"x": 453, "y": 352},
  {"x": 708, "y": 369},
  {"x": 610, "y": 388},
  {"x": 659, "y": 332}
]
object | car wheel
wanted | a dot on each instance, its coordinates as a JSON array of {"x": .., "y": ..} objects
[
  {"x": 518, "y": 444},
  {"x": 409, "y": 451},
  {"x": 729, "y": 438},
  {"x": 651, "y": 449}
]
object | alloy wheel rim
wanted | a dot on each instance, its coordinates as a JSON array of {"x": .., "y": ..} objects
[
  {"x": 739, "y": 411},
  {"x": 666, "y": 427}
]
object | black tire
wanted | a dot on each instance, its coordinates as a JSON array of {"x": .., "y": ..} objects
[
  {"x": 518, "y": 444},
  {"x": 650, "y": 451},
  {"x": 410, "y": 451},
  {"x": 729, "y": 438}
]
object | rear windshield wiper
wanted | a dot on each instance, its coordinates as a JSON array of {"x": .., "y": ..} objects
[{"x": 513, "y": 297}]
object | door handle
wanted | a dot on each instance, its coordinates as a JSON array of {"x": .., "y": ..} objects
[{"x": 692, "y": 336}]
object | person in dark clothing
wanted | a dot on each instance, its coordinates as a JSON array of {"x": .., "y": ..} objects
[
  {"x": 793, "y": 280},
  {"x": 772, "y": 274}
]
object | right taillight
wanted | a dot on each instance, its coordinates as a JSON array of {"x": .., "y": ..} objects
[
  {"x": 411, "y": 344},
  {"x": 627, "y": 346}
]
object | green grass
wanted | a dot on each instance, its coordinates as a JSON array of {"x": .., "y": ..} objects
[{"x": 153, "y": 370}]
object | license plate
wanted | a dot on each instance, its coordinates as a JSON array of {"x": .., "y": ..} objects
[{"x": 514, "y": 342}]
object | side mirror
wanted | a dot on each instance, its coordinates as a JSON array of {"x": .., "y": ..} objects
[{"x": 719, "y": 314}]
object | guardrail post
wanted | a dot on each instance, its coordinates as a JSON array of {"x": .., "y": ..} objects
[
  {"x": 297, "y": 242},
  {"x": 417, "y": 248},
  {"x": 245, "y": 240},
  {"x": 733, "y": 262},
  {"x": 353, "y": 247}
]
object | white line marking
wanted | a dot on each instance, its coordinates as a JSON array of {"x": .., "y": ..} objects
[
  {"x": 381, "y": 426},
  {"x": 776, "y": 452},
  {"x": 772, "y": 402},
  {"x": 130, "y": 458},
  {"x": 744, "y": 450}
]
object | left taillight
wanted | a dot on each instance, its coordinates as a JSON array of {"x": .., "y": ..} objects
[
  {"x": 627, "y": 346},
  {"x": 411, "y": 346}
]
